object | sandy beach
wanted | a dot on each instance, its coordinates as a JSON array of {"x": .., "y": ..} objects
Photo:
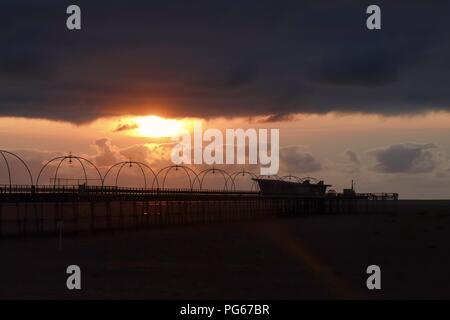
[{"x": 307, "y": 257}]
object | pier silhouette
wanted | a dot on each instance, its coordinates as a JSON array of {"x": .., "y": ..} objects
[{"x": 89, "y": 204}]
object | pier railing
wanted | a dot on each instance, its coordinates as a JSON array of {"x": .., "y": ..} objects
[
  {"x": 114, "y": 190},
  {"x": 46, "y": 189}
]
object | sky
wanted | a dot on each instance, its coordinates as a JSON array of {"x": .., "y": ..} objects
[{"x": 351, "y": 104}]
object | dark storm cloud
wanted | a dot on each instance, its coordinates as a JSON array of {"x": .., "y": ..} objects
[
  {"x": 221, "y": 58},
  {"x": 242, "y": 75},
  {"x": 360, "y": 69},
  {"x": 405, "y": 158}
]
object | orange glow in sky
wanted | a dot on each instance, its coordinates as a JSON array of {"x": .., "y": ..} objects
[{"x": 157, "y": 127}]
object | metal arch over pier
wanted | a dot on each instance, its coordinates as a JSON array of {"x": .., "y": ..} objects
[
  {"x": 141, "y": 165},
  {"x": 70, "y": 158},
  {"x": 200, "y": 177},
  {"x": 187, "y": 170},
  {"x": 3, "y": 152},
  {"x": 252, "y": 176}
]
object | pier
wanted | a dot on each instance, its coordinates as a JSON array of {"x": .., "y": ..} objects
[
  {"x": 26, "y": 210},
  {"x": 37, "y": 209}
]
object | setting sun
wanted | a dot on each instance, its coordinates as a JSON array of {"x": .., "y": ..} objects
[{"x": 157, "y": 127}]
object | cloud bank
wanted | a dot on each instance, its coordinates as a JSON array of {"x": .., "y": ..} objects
[
  {"x": 405, "y": 158},
  {"x": 217, "y": 58}
]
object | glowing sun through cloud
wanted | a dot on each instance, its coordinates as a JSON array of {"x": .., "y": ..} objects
[{"x": 157, "y": 127}]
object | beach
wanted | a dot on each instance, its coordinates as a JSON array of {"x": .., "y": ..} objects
[{"x": 307, "y": 257}]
